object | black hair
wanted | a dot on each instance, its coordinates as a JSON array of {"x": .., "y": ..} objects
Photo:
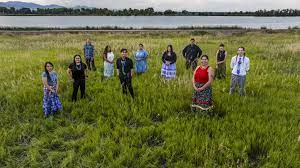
[
  {"x": 170, "y": 47},
  {"x": 221, "y": 45},
  {"x": 192, "y": 39},
  {"x": 77, "y": 55},
  {"x": 243, "y": 50},
  {"x": 124, "y": 49},
  {"x": 206, "y": 56},
  {"x": 106, "y": 49},
  {"x": 74, "y": 62},
  {"x": 46, "y": 71},
  {"x": 141, "y": 45}
]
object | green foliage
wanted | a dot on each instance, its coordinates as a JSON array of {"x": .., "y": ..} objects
[
  {"x": 141, "y": 12},
  {"x": 157, "y": 129}
]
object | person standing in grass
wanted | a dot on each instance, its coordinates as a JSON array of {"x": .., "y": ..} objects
[
  {"x": 192, "y": 53},
  {"x": 108, "y": 57},
  {"x": 141, "y": 60},
  {"x": 240, "y": 65},
  {"x": 89, "y": 53},
  {"x": 51, "y": 102},
  {"x": 125, "y": 72},
  {"x": 202, "y": 80},
  {"x": 221, "y": 62},
  {"x": 78, "y": 72},
  {"x": 168, "y": 70}
]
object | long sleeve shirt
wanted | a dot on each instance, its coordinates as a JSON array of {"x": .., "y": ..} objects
[
  {"x": 191, "y": 52},
  {"x": 171, "y": 58},
  {"x": 240, "y": 65}
]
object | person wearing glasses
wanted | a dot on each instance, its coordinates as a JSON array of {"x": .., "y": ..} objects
[
  {"x": 125, "y": 72},
  {"x": 240, "y": 65}
]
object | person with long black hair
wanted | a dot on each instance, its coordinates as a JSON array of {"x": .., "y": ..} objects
[
  {"x": 51, "y": 102},
  {"x": 108, "y": 57},
  {"x": 78, "y": 72},
  {"x": 168, "y": 69},
  {"x": 202, "y": 80}
]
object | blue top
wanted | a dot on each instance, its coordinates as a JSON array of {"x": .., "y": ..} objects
[
  {"x": 141, "y": 55},
  {"x": 53, "y": 78},
  {"x": 141, "y": 63},
  {"x": 88, "y": 50}
]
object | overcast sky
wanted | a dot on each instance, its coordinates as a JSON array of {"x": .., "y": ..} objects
[{"x": 191, "y": 5}]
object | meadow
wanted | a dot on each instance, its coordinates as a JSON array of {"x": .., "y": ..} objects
[{"x": 157, "y": 129}]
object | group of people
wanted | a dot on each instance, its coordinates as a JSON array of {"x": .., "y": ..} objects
[{"x": 202, "y": 78}]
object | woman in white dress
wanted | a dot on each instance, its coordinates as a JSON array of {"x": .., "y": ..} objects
[{"x": 108, "y": 56}]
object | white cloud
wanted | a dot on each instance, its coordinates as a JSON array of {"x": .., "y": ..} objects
[{"x": 192, "y": 5}]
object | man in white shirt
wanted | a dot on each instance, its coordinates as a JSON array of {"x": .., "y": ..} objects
[{"x": 240, "y": 65}]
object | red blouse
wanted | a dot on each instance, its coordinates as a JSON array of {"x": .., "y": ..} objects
[{"x": 201, "y": 75}]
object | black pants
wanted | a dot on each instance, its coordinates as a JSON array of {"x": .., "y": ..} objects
[
  {"x": 126, "y": 83},
  {"x": 190, "y": 63},
  {"x": 78, "y": 83},
  {"x": 90, "y": 63}
]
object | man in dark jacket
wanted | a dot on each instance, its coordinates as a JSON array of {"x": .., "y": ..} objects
[
  {"x": 191, "y": 53},
  {"x": 125, "y": 72}
]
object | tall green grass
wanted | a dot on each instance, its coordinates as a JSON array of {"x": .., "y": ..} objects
[{"x": 157, "y": 129}]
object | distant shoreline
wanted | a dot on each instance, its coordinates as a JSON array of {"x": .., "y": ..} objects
[
  {"x": 146, "y": 15},
  {"x": 194, "y": 30}
]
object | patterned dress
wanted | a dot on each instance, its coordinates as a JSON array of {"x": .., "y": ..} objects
[
  {"x": 51, "y": 102},
  {"x": 202, "y": 100}
]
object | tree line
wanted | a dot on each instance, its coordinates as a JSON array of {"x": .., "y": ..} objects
[{"x": 140, "y": 12}]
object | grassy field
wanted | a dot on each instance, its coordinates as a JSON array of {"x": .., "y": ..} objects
[{"x": 108, "y": 129}]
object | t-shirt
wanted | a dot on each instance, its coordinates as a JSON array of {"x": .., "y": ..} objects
[
  {"x": 53, "y": 78},
  {"x": 78, "y": 70},
  {"x": 124, "y": 67}
]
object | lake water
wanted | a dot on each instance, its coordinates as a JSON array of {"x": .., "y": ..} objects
[{"x": 149, "y": 21}]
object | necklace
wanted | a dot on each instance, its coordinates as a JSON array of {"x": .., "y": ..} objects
[{"x": 78, "y": 67}]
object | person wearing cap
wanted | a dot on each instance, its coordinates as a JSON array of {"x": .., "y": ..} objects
[
  {"x": 125, "y": 72},
  {"x": 192, "y": 53},
  {"x": 240, "y": 65}
]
